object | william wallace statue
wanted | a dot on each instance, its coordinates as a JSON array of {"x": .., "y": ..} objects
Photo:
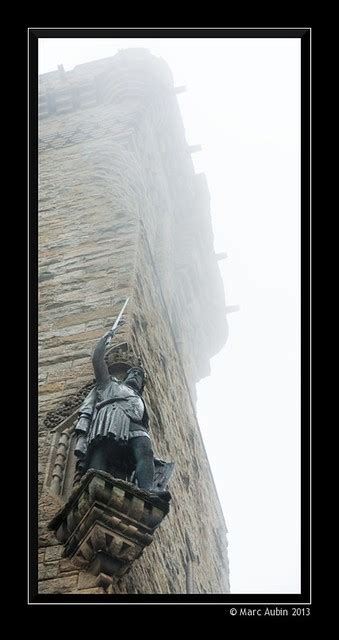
[{"x": 112, "y": 430}]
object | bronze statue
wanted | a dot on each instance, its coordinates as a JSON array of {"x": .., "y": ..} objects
[{"x": 112, "y": 431}]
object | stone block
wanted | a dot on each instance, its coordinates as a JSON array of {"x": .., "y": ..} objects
[
  {"x": 48, "y": 570},
  {"x": 53, "y": 553},
  {"x": 41, "y": 555},
  {"x": 87, "y": 580},
  {"x": 66, "y": 566},
  {"x": 66, "y": 584},
  {"x": 51, "y": 387}
]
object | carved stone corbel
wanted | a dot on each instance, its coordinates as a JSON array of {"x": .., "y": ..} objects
[{"x": 106, "y": 524}]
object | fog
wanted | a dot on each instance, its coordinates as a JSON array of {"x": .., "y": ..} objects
[{"x": 242, "y": 104}]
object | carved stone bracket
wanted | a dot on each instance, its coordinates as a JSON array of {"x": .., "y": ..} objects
[{"x": 107, "y": 523}]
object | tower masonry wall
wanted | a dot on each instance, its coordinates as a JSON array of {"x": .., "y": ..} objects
[{"x": 122, "y": 213}]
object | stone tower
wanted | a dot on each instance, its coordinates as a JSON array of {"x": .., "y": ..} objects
[{"x": 122, "y": 213}]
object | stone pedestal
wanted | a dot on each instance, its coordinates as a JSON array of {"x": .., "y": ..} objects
[{"x": 106, "y": 524}]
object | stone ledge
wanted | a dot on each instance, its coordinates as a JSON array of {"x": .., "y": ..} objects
[{"x": 106, "y": 524}]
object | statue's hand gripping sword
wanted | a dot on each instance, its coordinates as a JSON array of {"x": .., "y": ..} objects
[{"x": 116, "y": 323}]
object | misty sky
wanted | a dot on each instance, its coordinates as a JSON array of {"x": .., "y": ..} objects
[{"x": 243, "y": 105}]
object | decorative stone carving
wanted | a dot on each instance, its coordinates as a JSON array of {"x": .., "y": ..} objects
[
  {"x": 106, "y": 524},
  {"x": 60, "y": 460}
]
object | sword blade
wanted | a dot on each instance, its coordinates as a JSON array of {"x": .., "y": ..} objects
[{"x": 116, "y": 322}]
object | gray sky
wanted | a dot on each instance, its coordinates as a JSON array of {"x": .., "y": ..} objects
[{"x": 243, "y": 105}]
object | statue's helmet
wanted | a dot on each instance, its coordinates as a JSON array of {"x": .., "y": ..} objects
[{"x": 135, "y": 369}]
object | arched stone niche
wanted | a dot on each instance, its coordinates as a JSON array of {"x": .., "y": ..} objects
[{"x": 60, "y": 472}]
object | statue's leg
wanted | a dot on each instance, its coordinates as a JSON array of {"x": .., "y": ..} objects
[
  {"x": 97, "y": 456},
  {"x": 141, "y": 448}
]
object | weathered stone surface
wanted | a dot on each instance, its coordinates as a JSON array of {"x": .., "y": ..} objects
[
  {"x": 87, "y": 580},
  {"x": 52, "y": 387},
  {"x": 48, "y": 570},
  {"x": 41, "y": 555},
  {"x": 53, "y": 553},
  {"x": 106, "y": 524},
  {"x": 66, "y": 584},
  {"x": 66, "y": 566},
  {"x": 122, "y": 213}
]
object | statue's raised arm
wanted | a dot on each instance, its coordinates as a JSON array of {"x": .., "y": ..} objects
[{"x": 98, "y": 360}]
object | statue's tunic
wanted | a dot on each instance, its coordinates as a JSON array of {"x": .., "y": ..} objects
[{"x": 115, "y": 411}]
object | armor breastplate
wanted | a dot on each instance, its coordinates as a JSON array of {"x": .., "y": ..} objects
[{"x": 128, "y": 399}]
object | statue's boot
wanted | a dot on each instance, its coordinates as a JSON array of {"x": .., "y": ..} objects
[{"x": 160, "y": 493}]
